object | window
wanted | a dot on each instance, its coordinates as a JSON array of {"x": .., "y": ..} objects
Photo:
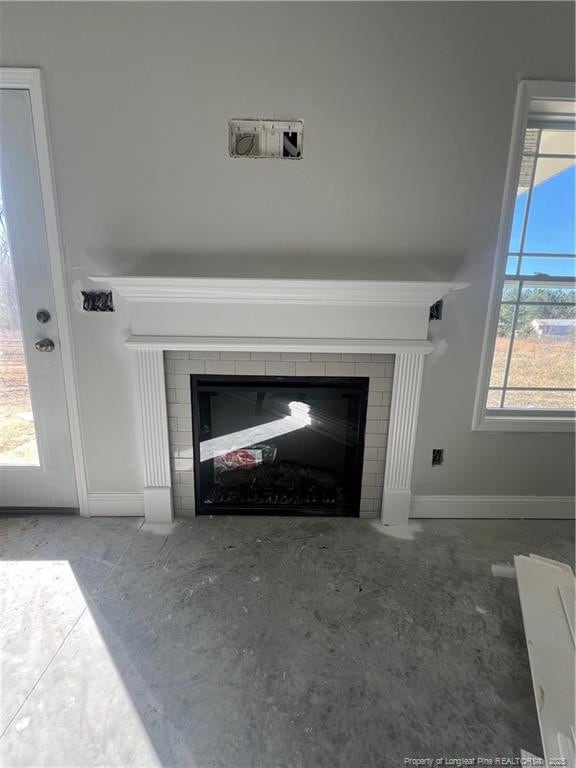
[{"x": 530, "y": 371}]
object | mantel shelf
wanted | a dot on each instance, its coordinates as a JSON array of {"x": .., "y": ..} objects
[{"x": 280, "y": 291}]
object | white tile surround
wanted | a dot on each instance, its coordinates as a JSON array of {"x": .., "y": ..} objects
[{"x": 178, "y": 366}]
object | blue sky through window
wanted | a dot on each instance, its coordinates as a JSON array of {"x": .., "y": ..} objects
[{"x": 551, "y": 224}]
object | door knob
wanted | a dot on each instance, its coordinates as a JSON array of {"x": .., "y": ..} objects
[{"x": 44, "y": 345}]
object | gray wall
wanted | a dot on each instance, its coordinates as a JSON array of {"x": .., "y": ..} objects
[{"x": 407, "y": 111}]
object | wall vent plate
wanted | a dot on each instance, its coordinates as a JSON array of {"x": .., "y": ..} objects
[{"x": 249, "y": 137}]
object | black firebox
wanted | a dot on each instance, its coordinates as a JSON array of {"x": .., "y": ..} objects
[{"x": 278, "y": 445}]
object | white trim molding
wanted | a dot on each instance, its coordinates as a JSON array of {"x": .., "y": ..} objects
[
  {"x": 529, "y": 507},
  {"x": 523, "y": 421},
  {"x": 278, "y": 344},
  {"x": 30, "y": 79},
  {"x": 154, "y": 430},
  {"x": 525, "y": 424},
  {"x": 406, "y": 389},
  {"x": 278, "y": 291},
  {"x": 116, "y": 504}
]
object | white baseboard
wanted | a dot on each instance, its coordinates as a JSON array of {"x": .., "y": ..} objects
[
  {"x": 116, "y": 504},
  {"x": 536, "y": 507}
]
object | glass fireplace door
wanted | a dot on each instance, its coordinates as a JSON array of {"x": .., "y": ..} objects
[{"x": 276, "y": 445}]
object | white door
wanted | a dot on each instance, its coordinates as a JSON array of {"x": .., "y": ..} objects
[{"x": 36, "y": 464}]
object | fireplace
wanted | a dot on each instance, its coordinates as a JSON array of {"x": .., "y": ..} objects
[
  {"x": 378, "y": 328},
  {"x": 278, "y": 445}
]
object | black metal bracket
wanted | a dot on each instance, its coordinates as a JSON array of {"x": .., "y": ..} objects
[
  {"x": 97, "y": 301},
  {"x": 436, "y": 310}
]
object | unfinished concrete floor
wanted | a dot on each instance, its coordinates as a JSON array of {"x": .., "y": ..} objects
[{"x": 263, "y": 642}]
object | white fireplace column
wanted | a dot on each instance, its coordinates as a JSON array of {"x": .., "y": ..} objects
[
  {"x": 153, "y": 419},
  {"x": 406, "y": 387}
]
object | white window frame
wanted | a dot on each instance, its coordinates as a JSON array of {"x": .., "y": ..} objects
[{"x": 516, "y": 421}]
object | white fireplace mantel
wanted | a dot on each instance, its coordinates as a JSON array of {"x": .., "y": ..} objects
[
  {"x": 211, "y": 314},
  {"x": 277, "y": 290}
]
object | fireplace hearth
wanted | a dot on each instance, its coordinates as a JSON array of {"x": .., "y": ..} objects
[{"x": 278, "y": 445}]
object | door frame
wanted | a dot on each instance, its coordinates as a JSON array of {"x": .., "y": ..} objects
[{"x": 30, "y": 79}]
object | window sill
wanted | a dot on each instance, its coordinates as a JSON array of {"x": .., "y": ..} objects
[{"x": 524, "y": 423}]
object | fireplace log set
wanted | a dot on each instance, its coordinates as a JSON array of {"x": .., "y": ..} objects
[{"x": 283, "y": 483}]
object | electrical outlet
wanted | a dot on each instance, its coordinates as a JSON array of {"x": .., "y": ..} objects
[
  {"x": 437, "y": 457},
  {"x": 265, "y": 138}
]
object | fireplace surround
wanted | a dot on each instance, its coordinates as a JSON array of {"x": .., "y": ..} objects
[
  {"x": 179, "y": 365},
  {"x": 222, "y": 316}
]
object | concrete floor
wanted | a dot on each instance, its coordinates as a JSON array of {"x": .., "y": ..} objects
[{"x": 264, "y": 643}]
